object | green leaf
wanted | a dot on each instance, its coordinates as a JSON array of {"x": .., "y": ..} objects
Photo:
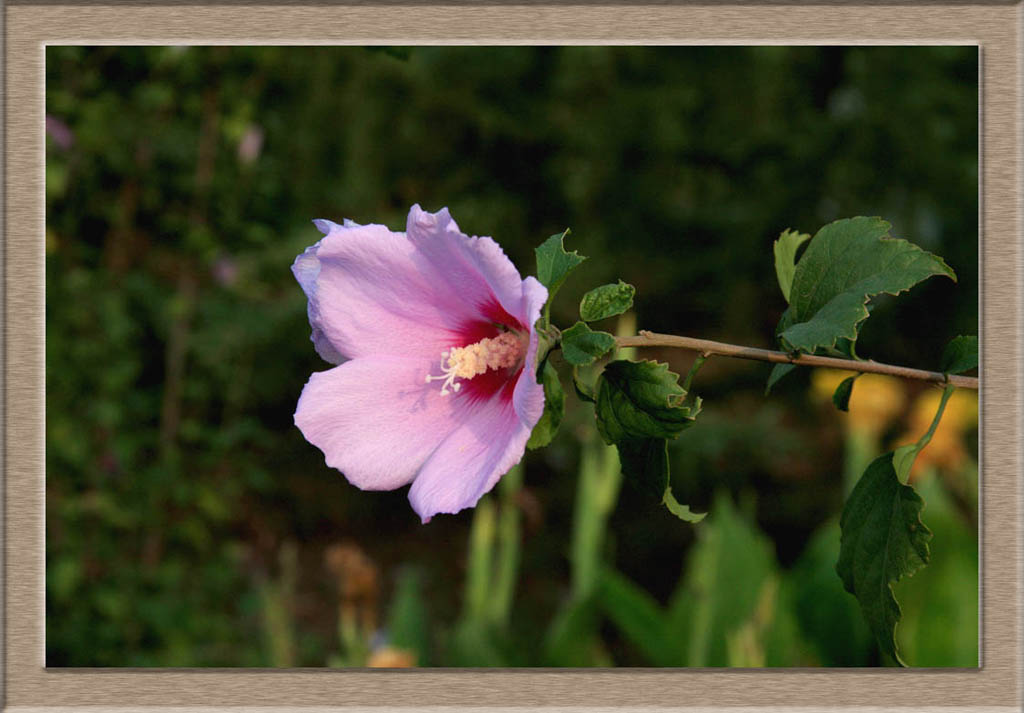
[
  {"x": 785, "y": 258},
  {"x": 883, "y": 540},
  {"x": 583, "y": 390},
  {"x": 939, "y": 626},
  {"x": 637, "y": 400},
  {"x": 472, "y": 644},
  {"x": 606, "y": 301},
  {"x": 554, "y": 409},
  {"x": 548, "y": 337},
  {"x": 778, "y": 371},
  {"x": 841, "y": 397},
  {"x": 408, "y": 623},
  {"x": 638, "y": 616},
  {"x": 726, "y": 571},
  {"x": 582, "y": 346},
  {"x": 848, "y": 262},
  {"x": 571, "y": 639},
  {"x": 960, "y": 355},
  {"x": 645, "y": 464},
  {"x": 554, "y": 264},
  {"x": 639, "y": 406},
  {"x": 683, "y": 512},
  {"x": 903, "y": 460},
  {"x": 828, "y": 616}
]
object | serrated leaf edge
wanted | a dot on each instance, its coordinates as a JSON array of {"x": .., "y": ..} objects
[
  {"x": 887, "y": 584},
  {"x": 867, "y": 298}
]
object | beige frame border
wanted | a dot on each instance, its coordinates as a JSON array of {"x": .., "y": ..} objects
[{"x": 997, "y": 28}]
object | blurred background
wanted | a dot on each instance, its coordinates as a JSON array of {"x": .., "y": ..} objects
[{"x": 189, "y": 523}]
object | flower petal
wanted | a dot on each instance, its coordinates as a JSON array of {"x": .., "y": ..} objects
[
  {"x": 371, "y": 292},
  {"x": 476, "y": 268},
  {"x": 471, "y": 459},
  {"x": 375, "y": 419},
  {"x": 528, "y": 397},
  {"x": 306, "y": 269}
]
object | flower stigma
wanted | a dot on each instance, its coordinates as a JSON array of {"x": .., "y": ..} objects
[{"x": 501, "y": 352}]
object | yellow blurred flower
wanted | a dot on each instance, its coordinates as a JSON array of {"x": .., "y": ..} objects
[
  {"x": 946, "y": 449},
  {"x": 875, "y": 401},
  {"x": 389, "y": 657}
]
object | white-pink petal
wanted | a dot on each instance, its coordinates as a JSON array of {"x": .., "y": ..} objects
[
  {"x": 375, "y": 294},
  {"x": 490, "y": 440},
  {"x": 528, "y": 397},
  {"x": 475, "y": 267},
  {"x": 375, "y": 419}
]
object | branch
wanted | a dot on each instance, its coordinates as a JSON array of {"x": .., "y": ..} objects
[{"x": 705, "y": 346}]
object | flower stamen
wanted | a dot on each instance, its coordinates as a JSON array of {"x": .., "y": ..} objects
[{"x": 501, "y": 352}]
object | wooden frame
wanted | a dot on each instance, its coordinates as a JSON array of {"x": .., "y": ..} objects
[{"x": 995, "y": 27}]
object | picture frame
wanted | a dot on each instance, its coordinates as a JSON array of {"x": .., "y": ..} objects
[{"x": 995, "y": 27}]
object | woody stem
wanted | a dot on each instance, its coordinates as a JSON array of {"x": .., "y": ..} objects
[{"x": 706, "y": 346}]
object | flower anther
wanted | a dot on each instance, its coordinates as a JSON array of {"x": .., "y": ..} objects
[{"x": 505, "y": 351}]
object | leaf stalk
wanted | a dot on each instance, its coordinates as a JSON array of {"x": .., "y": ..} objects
[{"x": 706, "y": 346}]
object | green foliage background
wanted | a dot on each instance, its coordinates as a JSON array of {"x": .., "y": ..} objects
[{"x": 180, "y": 186}]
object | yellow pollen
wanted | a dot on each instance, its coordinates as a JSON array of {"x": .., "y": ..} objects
[{"x": 501, "y": 352}]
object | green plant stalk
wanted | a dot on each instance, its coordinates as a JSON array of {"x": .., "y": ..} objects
[
  {"x": 904, "y": 457},
  {"x": 599, "y": 479},
  {"x": 353, "y": 647},
  {"x": 277, "y": 625},
  {"x": 694, "y": 368},
  {"x": 478, "y": 571},
  {"x": 927, "y": 437},
  {"x": 277, "y": 599},
  {"x": 506, "y": 569}
]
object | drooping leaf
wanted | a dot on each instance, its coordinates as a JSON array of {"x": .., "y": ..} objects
[
  {"x": 639, "y": 406},
  {"x": 640, "y": 400},
  {"x": 778, "y": 371},
  {"x": 845, "y": 264},
  {"x": 683, "y": 512},
  {"x": 645, "y": 467},
  {"x": 883, "y": 540},
  {"x": 554, "y": 264},
  {"x": 960, "y": 355},
  {"x": 554, "y": 409},
  {"x": 606, "y": 301},
  {"x": 582, "y": 346},
  {"x": 785, "y": 258},
  {"x": 645, "y": 464},
  {"x": 841, "y": 397}
]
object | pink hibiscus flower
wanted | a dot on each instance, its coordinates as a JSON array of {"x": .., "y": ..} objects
[{"x": 433, "y": 334}]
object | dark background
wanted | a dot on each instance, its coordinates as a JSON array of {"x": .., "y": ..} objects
[{"x": 180, "y": 186}]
